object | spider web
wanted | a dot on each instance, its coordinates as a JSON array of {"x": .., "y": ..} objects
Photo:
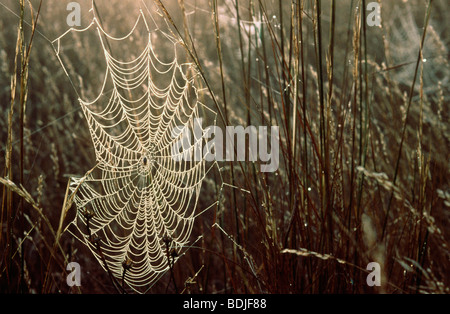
[
  {"x": 404, "y": 34},
  {"x": 139, "y": 203}
]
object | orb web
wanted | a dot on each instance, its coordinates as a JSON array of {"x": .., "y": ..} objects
[{"x": 139, "y": 195}]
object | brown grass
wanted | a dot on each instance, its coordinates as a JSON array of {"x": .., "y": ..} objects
[{"x": 364, "y": 146}]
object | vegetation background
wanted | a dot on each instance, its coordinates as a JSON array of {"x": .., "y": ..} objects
[{"x": 364, "y": 167}]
